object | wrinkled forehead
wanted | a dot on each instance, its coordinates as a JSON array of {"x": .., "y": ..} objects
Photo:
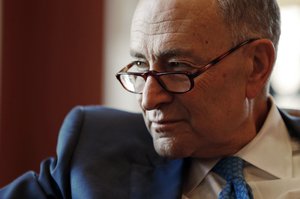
[
  {"x": 154, "y": 10},
  {"x": 169, "y": 21},
  {"x": 172, "y": 12}
]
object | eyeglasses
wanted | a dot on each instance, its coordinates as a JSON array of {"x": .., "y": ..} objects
[{"x": 178, "y": 82}]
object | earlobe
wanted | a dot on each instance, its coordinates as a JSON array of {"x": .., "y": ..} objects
[{"x": 263, "y": 58}]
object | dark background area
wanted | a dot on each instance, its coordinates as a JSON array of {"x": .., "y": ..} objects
[{"x": 51, "y": 60}]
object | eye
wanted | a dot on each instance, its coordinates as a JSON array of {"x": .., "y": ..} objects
[
  {"x": 139, "y": 66},
  {"x": 180, "y": 66}
]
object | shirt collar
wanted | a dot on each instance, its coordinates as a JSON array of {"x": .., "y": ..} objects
[
  {"x": 198, "y": 169},
  {"x": 272, "y": 143}
]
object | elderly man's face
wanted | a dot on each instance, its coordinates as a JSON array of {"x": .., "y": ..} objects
[{"x": 211, "y": 119}]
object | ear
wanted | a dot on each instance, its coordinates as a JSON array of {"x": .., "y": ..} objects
[{"x": 262, "y": 54}]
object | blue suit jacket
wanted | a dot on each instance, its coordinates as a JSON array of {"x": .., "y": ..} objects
[{"x": 109, "y": 154}]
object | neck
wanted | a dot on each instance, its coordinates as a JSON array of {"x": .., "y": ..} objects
[{"x": 261, "y": 108}]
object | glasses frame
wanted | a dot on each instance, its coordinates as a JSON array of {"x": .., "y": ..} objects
[{"x": 190, "y": 75}]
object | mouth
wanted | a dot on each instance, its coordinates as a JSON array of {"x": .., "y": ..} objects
[{"x": 164, "y": 126}]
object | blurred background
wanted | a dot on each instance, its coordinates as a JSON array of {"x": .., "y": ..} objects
[{"x": 57, "y": 54}]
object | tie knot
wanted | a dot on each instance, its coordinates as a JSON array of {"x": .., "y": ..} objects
[{"x": 230, "y": 168}]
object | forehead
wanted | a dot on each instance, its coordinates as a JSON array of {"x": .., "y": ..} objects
[{"x": 160, "y": 25}]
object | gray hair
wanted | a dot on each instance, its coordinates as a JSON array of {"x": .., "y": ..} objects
[{"x": 252, "y": 18}]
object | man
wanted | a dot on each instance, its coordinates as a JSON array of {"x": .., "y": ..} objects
[
  {"x": 200, "y": 70},
  {"x": 228, "y": 110}
]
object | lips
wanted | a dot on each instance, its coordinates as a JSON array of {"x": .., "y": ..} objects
[
  {"x": 164, "y": 121},
  {"x": 161, "y": 121},
  {"x": 165, "y": 125}
]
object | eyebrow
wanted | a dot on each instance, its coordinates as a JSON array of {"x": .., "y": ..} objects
[
  {"x": 171, "y": 53},
  {"x": 136, "y": 54}
]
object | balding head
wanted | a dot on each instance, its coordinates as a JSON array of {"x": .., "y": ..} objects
[
  {"x": 176, "y": 20},
  {"x": 243, "y": 18}
]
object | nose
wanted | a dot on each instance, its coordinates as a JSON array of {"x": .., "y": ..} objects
[{"x": 154, "y": 95}]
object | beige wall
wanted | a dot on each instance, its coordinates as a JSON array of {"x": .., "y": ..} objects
[
  {"x": 288, "y": 2},
  {"x": 118, "y": 14}
]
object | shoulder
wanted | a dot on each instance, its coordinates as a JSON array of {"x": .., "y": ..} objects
[
  {"x": 97, "y": 150},
  {"x": 97, "y": 128},
  {"x": 109, "y": 143}
]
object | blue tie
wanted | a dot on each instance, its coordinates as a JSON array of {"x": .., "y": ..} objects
[{"x": 231, "y": 169}]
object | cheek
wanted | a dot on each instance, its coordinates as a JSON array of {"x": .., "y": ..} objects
[
  {"x": 221, "y": 87},
  {"x": 215, "y": 102}
]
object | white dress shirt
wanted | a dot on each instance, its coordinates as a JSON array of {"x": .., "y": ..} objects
[{"x": 272, "y": 166}]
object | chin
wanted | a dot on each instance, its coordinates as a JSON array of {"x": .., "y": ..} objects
[{"x": 166, "y": 147}]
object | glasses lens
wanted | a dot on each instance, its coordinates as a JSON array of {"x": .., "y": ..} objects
[
  {"x": 178, "y": 83},
  {"x": 133, "y": 83}
]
